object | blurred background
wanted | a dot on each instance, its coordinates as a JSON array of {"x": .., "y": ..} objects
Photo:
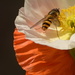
[{"x": 8, "y": 12}]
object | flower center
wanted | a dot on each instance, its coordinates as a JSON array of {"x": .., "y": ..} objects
[{"x": 67, "y": 23}]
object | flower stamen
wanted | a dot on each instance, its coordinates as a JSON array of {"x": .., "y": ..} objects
[{"x": 67, "y": 23}]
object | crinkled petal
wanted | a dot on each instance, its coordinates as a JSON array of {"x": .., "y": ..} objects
[{"x": 42, "y": 60}]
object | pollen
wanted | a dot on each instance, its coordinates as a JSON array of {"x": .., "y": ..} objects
[{"x": 67, "y": 23}]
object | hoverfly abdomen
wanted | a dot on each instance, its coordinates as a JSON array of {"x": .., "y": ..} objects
[
  {"x": 46, "y": 24},
  {"x": 53, "y": 14}
]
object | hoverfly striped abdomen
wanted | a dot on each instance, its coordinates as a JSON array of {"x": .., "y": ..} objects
[
  {"x": 46, "y": 24},
  {"x": 49, "y": 18}
]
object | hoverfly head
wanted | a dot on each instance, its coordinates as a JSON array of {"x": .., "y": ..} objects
[{"x": 54, "y": 12}]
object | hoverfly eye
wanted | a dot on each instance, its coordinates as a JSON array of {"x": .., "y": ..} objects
[
  {"x": 58, "y": 11},
  {"x": 54, "y": 11}
]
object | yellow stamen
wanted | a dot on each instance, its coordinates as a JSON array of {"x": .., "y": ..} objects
[{"x": 67, "y": 23}]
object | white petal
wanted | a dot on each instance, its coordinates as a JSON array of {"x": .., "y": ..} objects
[
  {"x": 32, "y": 12},
  {"x": 63, "y": 44},
  {"x": 73, "y": 37},
  {"x": 22, "y": 23},
  {"x": 72, "y": 41}
]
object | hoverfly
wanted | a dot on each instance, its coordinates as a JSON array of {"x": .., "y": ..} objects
[{"x": 50, "y": 18}]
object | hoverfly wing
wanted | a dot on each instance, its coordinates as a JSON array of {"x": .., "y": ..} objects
[
  {"x": 39, "y": 22},
  {"x": 56, "y": 22}
]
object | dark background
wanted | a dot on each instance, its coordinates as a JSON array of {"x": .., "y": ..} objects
[{"x": 8, "y": 12}]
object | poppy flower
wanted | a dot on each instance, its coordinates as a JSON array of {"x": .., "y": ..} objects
[{"x": 46, "y": 52}]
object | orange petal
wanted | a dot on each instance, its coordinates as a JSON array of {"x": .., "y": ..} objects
[{"x": 38, "y": 59}]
